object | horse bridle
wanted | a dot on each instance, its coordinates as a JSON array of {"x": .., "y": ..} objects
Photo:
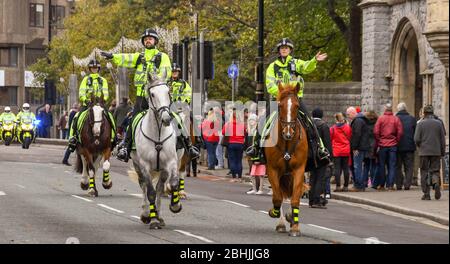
[
  {"x": 157, "y": 111},
  {"x": 285, "y": 123}
]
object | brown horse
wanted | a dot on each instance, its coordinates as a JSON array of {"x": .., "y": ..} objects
[
  {"x": 95, "y": 147},
  {"x": 287, "y": 158}
]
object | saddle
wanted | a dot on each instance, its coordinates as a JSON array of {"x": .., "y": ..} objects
[{"x": 83, "y": 116}]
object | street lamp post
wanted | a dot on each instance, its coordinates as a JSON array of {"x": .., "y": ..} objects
[{"x": 260, "y": 59}]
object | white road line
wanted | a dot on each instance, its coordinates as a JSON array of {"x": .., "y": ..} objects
[
  {"x": 289, "y": 202},
  {"x": 264, "y": 212},
  {"x": 136, "y": 217},
  {"x": 2, "y": 193},
  {"x": 195, "y": 236},
  {"x": 374, "y": 240},
  {"x": 20, "y": 186},
  {"x": 329, "y": 229},
  {"x": 139, "y": 195},
  {"x": 243, "y": 205},
  {"x": 110, "y": 208},
  {"x": 84, "y": 199}
]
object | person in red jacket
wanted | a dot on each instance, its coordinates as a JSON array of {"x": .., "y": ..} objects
[
  {"x": 235, "y": 131},
  {"x": 210, "y": 132},
  {"x": 340, "y": 135},
  {"x": 388, "y": 131}
]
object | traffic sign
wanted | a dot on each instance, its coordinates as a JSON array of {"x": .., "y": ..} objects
[{"x": 233, "y": 71}]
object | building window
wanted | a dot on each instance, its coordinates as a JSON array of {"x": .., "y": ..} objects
[
  {"x": 32, "y": 55},
  {"x": 8, "y": 95},
  {"x": 34, "y": 95},
  {"x": 57, "y": 16},
  {"x": 36, "y": 15},
  {"x": 8, "y": 57}
]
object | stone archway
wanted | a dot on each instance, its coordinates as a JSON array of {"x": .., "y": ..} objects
[{"x": 406, "y": 69}]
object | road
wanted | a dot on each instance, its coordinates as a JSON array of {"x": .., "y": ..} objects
[{"x": 41, "y": 202}]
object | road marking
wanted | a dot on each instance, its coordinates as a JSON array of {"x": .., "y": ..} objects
[
  {"x": 243, "y": 205},
  {"x": 288, "y": 201},
  {"x": 264, "y": 212},
  {"x": 20, "y": 186},
  {"x": 374, "y": 240},
  {"x": 139, "y": 195},
  {"x": 72, "y": 240},
  {"x": 110, "y": 208},
  {"x": 136, "y": 217},
  {"x": 84, "y": 199},
  {"x": 329, "y": 229},
  {"x": 195, "y": 236},
  {"x": 2, "y": 193}
]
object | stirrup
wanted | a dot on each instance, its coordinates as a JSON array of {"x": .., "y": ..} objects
[
  {"x": 194, "y": 153},
  {"x": 72, "y": 144},
  {"x": 122, "y": 155}
]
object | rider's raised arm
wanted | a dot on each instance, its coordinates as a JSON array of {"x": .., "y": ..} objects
[
  {"x": 165, "y": 68},
  {"x": 127, "y": 60},
  {"x": 271, "y": 81},
  {"x": 305, "y": 67}
]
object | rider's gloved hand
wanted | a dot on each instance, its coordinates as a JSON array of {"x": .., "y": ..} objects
[{"x": 107, "y": 55}]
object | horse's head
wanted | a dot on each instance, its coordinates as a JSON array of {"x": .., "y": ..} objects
[
  {"x": 159, "y": 99},
  {"x": 288, "y": 105},
  {"x": 96, "y": 121}
]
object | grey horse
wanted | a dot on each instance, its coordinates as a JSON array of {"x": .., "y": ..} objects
[{"x": 155, "y": 159}]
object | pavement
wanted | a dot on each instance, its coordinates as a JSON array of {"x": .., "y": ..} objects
[{"x": 403, "y": 202}]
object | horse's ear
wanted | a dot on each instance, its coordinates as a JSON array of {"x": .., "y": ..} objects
[
  {"x": 297, "y": 88},
  {"x": 280, "y": 87}
]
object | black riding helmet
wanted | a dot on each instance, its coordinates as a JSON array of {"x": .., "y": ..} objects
[
  {"x": 149, "y": 33},
  {"x": 285, "y": 42},
  {"x": 94, "y": 64},
  {"x": 176, "y": 67}
]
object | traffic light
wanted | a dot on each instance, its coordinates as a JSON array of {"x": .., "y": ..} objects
[
  {"x": 177, "y": 54},
  {"x": 209, "y": 67},
  {"x": 50, "y": 92}
]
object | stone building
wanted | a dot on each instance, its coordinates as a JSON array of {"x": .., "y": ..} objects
[
  {"x": 405, "y": 54},
  {"x": 25, "y": 28}
]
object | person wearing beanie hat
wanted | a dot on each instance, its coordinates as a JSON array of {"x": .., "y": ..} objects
[{"x": 317, "y": 179}]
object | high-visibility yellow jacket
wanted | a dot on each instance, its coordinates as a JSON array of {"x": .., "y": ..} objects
[
  {"x": 287, "y": 72},
  {"x": 181, "y": 90},
  {"x": 93, "y": 84}
]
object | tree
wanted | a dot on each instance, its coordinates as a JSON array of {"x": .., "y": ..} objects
[{"x": 351, "y": 32}]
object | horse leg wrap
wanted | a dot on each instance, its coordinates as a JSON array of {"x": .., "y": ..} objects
[
  {"x": 181, "y": 185},
  {"x": 295, "y": 213},
  {"x": 105, "y": 176},
  {"x": 153, "y": 214},
  {"x": 91, "y": 183},
  {"x": 175, "y": 198},
  {"x": 275, "y": 212}
]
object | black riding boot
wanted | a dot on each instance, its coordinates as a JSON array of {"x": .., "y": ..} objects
[
  {"x": 73, "y": 141},
  {"x": 193, "y": 151},
  {"x": 124, "y": 148}
]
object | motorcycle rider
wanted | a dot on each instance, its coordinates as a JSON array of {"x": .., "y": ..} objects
[{"x": 25, "y": 116}]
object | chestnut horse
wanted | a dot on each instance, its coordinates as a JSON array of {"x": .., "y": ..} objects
[
  {"x": 287, "y": 158},
  {"x": 95, "y": 147}
]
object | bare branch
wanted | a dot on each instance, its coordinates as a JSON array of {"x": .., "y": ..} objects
[{"x": 336, "y": 18}]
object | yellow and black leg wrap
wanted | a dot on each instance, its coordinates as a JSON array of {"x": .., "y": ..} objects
[
  {"x": 175, "y": 198},
  {"x": 153, "y": 214},
  {"x": 105, "y": 176},
  {"x": 91, "y": 183},
  {"x": 295, "y": 215},
  {"x": 181, "y": 185},
  {"x": 275, "y": 212}
]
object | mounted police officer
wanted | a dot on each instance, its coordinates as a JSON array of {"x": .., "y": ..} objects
[
  {"x": 286, "y": 69},
  {"x": 181, "y": 90},
  {"x": 151, "y": 61},
  {"x": 91, "y": 84}
]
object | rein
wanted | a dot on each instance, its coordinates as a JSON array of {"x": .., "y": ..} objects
[{"x": 157, "y": 112}]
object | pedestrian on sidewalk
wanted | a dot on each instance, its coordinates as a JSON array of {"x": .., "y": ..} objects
[
  {"x": 359, "y": 144},
  {"x": 388, "y": 131},
  {"x": 210, "y": 132},
  {"x": 63, "y": 124},
  {"x": 341, "y": 134},
  {"x": 257, "y": 170},
  {"x": 72, "y": 113},
  {"x": 371, "y": 161},
  {"x": 405, "y": 148},
  {"x": 316, "y": 181},
  {"x": 234, "y": 129},
  {"x": 430, "y": 138}
]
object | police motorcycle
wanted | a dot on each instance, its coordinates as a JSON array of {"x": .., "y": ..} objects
[
  {"x": 26, "y": 132},
  {"x": 7, "y": 131}
]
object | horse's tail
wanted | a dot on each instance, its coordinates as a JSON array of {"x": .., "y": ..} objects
[
  {"x": 286, "y": 185},
  {"x": 79, "y": 164}
]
